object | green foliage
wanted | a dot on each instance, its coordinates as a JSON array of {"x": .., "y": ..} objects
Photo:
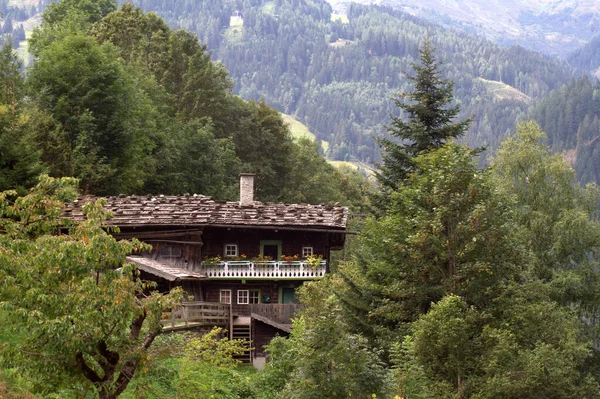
[
  {"x": 19, "y": 159},
  {"x": 93, "y": 10},
  {"x": 558, "y": 215},
  {"x": 532, "y": 336},
  {"x": 558, "y": 219},
  {"x": 126, "y": 104},
  {"x": 64, "y": 18},
  {"x": 525, "y": 347},
  {"x": 207, "y": 368},
  {"x": 192, "y": 366},
  {"x": 446, "y": 231},
  {"x": 84, "y": 325},
  {"x": 97, "y": 106},
  {"x": 430, "y": 122},
  {"x": 338, "y": 78},
  {"x": 570, "y": 117},
  {"x": 322, "y": 358},
  {"x": 312, "y": 180}
]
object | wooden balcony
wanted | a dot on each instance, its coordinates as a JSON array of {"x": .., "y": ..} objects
[
  {"x": 197, "y": 314},
  {"x": 241, "y": 269},
  {"x": 277, "y": 312}
]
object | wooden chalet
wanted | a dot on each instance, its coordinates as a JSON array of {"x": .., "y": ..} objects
[{"x": 240, "y": 262}]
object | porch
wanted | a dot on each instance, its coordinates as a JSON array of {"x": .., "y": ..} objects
[
  {"x": 266, "y": 321},
  {"x": 190, "y": 315},
  {"x": 241, "y": 269}
]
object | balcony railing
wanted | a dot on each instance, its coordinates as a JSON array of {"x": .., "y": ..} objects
[
  {"x": 194, "y": 314},
  {"x": 242, "y": 269},
  {"x": 277, "y": 312}
]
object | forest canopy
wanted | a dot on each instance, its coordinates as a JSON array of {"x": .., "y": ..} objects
[{"x": 146, "y": 110}]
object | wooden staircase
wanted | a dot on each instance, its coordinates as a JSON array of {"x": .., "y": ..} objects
[{"x": 242, "y": 331}]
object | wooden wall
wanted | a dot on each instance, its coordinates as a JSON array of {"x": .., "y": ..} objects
[
  {"x": 211, "y": 291},
  {"x": 248, "y": 241},
  {"x": 262, "y": 334},
  {"x": 196, "y": 245}
]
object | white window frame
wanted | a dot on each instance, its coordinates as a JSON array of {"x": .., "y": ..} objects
[
  {"x": 240, "y": 297},
  {"x": 227, "y": 296},
  {"x": 230, "y": 250},
  {"x": 244, "y": 297},
  {"x": 307, "y": 251}
]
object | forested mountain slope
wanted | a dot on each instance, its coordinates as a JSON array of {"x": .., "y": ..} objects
[
  {"x": 337, "y": 76},
  {"x": 571, "y": 118},
  {"x": 549, "y": 26},
  {"x": 145, "y": 110},
  {"x": 587, "y": 58}
]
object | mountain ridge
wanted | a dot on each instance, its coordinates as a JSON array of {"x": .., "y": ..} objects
[{"x": 554, "y": 27}]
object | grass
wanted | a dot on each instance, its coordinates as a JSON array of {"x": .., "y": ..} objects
[
  {"x": 236, "y": 22},
  {"x": 269, "y": 8},
  {"x": 502, "y": 91},
  {"x": 235, "y": 32},
  {"x": 361, "y": 167},
  {"x": 298, "y": 129},
  {"x": 341, "y": 17}
]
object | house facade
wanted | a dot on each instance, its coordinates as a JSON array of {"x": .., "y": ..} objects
[{"x": 249, "y": 255}]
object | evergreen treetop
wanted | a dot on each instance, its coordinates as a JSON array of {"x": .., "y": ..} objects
[{"x": 429, "y": 121}]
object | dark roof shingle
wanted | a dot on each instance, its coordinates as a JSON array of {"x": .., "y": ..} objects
[{"x": 199, "y": 210}]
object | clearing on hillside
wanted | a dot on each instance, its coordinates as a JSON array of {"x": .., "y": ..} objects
[
  {"x": 361, "y": 167},
  {"x": 269, "y": 8},
  {"x": 236, "y": 29},
  {"x": 300, "y": 130},
  {"x": 502, "y": 91},
  {"x": 343, "y": 18}
]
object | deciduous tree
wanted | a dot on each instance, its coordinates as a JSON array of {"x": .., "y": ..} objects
[
  {"x": 19, "y": 158},
  {"x": 85, "y": 318}
]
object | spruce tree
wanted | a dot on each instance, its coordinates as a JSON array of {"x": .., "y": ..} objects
[{"x": 429, "y": 121}]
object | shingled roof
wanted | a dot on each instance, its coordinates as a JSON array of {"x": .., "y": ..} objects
[
  {"x": 163, "y": 270},
  {"x": 199, "y": 210}
]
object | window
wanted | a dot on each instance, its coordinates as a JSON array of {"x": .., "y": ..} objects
[
  {"x": 271, "y": 249},
  {"x": 170, "y": 251},
  {"x": 254, "y": 296},
  {"x": 231, "y": 250},
  {"x": 225, "y": 296},
  {"x": 243, "y": 297},
  {"x": 246, "y": 297},
  {"x": 307, "y": 251}
]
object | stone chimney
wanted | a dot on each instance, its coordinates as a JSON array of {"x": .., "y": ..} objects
[{"x": 246, "y": 189}]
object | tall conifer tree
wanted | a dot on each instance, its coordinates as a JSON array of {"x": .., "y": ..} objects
[{"x": 429, "y": 121}]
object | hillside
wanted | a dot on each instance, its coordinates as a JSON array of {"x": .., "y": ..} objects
[
  {"x": 336, "y": 69},
  {"x": 502, "y": 91},
  {"x": 587, "y": 58},
  {"x": 336, "y": 73},
  {"x": 550, "y": 26},
  {"x": 571, "y": 118}
]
